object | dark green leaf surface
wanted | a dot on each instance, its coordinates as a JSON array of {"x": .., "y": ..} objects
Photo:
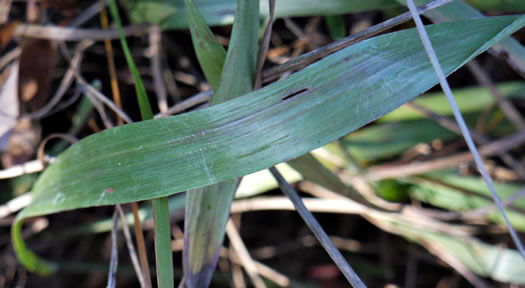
[
  {"x": 208, "y": 208},
  {"x": 284, "y": 120}
]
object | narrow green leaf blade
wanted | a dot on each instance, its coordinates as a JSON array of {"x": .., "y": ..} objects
[
  {"x": 448, "y": 191},
  {"x": 208, "y": 208},
  {"x": 344, "y": 91},
  {"x": 142, "y": 96},
  {"x": 241, "y": 60},
  {"x": 210, "y": 52},
  {"x": 207, "y": 211}
]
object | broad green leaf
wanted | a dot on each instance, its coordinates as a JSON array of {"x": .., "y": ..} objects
[
  {"x": 208, "y": 208},
  {"x": 163, "y": 255},
  {"x": 210, "y": 52},
  {"x": 251, "y": 185},
  {"x": 279, "y": 122},
  {"x": 458, "y": 10},
  {"x": 450, "y": 193},
  {"x": 404, "y": 128},
  {"x": 170, "y": 14}
]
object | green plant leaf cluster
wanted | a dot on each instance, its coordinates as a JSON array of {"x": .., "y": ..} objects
[{"x": 338, "y": 94}]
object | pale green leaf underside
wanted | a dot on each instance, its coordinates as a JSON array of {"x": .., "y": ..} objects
[
  {"x": 346, "y": 90},
  {"x": 171, "y": 13}
]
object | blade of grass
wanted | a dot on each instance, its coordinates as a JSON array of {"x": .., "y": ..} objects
[
  {"x": 318, "y": 231},
  {"x": 209, "y": 51},
  {"x": 459, "y": 118},
  {"x": 113, "y": 263},
  {"x": 163, "y": 253},
  {"x": 145, "y": 273},
  {"x": 267, "y": 127},
  {"x": 231, "y": 74},
  {"x": 142, "y": 97}
]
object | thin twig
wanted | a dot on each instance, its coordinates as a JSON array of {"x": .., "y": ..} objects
[
  {"x": 75, "y": 34},
  {"x": 144, "y": 276},
  {"x": 318, "y": 231},
  {"x": 111, "y": 62},
  {"x": 264, "y": 270},
  {"x": 194, "y": 100},
  {"x": 156, "y": 68},
  {"x": 494, "y": 148},
  {"x": 417, "y": 217},
  {"x": 449, "y": 124},
  {"x": 22, "y": 169},
  {"x": 454, "y": 262},
  {"x": 99, "y": 107},
  {"x": 459, "y": 118},
  {"x": 346, "y": 206},
  {"x": 15, "y": 205},
  {"x": 94, "y": 92},
  {"x": 313, "y": 56},
  {"x": 87, "y": 14},
  {"x": 113, "y": 263},
  {"x": 263, "y": 49},
  {"x": 5, "y": 7},
  {"x": 65, "y": 83},
  {"x": 182, "y": 282},
  {"x": 40, "y": 156},
  {"x": 243, "y": 254},
  {"x": 10, "y": 56},
  {"x": 131, "y": 248},
  {"x": 141, "y": 244},
  {"x": 511, "y": 113},
  {"x": 485, "y": 210}
]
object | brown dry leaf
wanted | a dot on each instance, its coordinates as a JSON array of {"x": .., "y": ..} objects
[
  {"x": 30, "y": 93},
  {"x": 37, "y": 61},
  {"x": 22, "y": 144},
  {"x": 18, "y": 138}
]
